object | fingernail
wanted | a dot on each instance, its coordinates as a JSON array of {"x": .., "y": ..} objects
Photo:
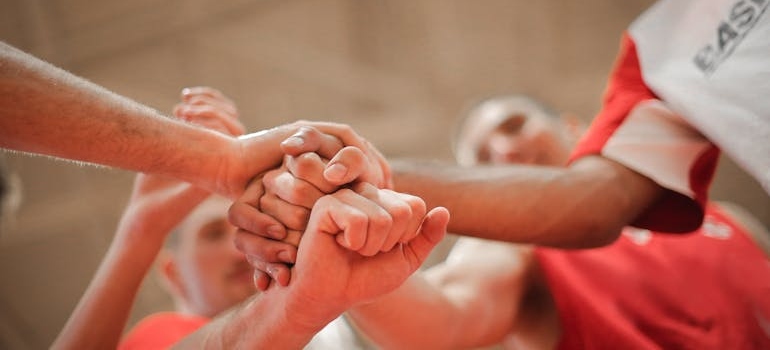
[
  {"x": 335, "y": 172},
  {"x": 186, "y": 91},
  {"x": 275, "y": 231},
  {"x": 285, "y": 256},
  {"x": 294, "y": 141}
]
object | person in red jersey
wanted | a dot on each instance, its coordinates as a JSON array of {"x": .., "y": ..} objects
[
  {"x": 704, "y": 290},
  {"x": 689, "y": 83}
]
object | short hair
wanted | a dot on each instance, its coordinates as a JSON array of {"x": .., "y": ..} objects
[{"x": 467, "y": 140}]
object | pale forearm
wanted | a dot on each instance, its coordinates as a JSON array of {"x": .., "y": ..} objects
[
  {"x": 46, "y": 110},
  {"x": 269, "y": 320},
  {"x": 100, "y": 316},
  {"x": 581, "y": 206},
  {"x": 470, "y": 300},
  {"x": 415, "y": 316}
]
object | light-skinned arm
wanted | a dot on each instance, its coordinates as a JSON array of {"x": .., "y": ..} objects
[
  {"x": 470, "y": 300},
  {"x": 156, "y": 206},
  {"x": 328, "y": 278},
  {"x": 583, "y": 205},
  {"x": 46, "y": 110}
]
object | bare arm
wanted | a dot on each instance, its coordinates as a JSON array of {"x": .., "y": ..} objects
[
  {"x": 581, "y": 206},
  {"x": 329, "y": 278},
  {"x": 471, "y": 300},
  {"x": 46, "y": 110},
  {"x": 100, "y": 317},
  {"x": 156, "y": 206}
]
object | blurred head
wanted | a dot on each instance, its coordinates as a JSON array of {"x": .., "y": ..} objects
[
  {"x": 203, "y": 270},
  {"x": 515, "y": 129}
]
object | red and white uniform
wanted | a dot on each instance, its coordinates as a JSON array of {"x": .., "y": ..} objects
[
  {"x": 706, "y": 290},
  {"x": 692, "y": 76}
]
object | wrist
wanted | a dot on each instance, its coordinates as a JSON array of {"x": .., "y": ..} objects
[
  {"x": 258, "y": 323},
  {"x": 304, "y": 312},
  {"x": 249, "y": 156}
]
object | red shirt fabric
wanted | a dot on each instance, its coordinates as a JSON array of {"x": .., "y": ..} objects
[
  {"x": 161, "y": 331},
  {"x": 705, "y": 290},
  {"x": 626, "y": 89}
]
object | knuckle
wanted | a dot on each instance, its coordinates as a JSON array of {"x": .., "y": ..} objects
[
  {"x": 381, "y": 221},
  {"x": 299, "y": 192},
  {"x": 235, "y": 214},
  {"x": 401, "y": 211},
  {"x": 297, "y": 218}
]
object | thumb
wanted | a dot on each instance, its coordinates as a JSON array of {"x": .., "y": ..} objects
[
  {"x": 432, "y": 231},
  {"x": 347, "y": 165}
]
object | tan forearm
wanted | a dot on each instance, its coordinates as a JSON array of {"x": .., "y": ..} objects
[
  {"x": 46, "y": 110},
  {"x": 581, "y": 206}
]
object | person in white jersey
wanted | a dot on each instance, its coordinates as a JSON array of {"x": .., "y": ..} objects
[{"x": 689, "y": 82}]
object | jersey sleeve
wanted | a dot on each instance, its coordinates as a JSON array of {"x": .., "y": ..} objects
[{"x": 639, "y": 131}]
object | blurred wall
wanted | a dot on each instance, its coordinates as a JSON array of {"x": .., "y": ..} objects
[{"x": 400, "y": 72}]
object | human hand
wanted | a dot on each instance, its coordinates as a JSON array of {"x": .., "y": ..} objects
[
  {"x": 208, "y": 107},
  {"x": 329, "y": 275},
  {"x": 271, "y": 258},
  {"x": 288, "y": 193},
  {"x": 253, "y": 154}
]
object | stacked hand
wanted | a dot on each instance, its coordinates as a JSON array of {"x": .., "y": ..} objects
[
  {"x": 328, "y": 274},
  {"x": 289, "y": 192},
  {"x": 329, "y": 186}
]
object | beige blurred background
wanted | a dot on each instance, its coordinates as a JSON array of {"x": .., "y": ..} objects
[{"x": 399, "y": 71}]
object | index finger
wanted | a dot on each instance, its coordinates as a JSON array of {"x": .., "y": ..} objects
[{"x": 309, "y": 139}]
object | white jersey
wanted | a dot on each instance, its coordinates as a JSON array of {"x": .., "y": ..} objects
[{"x": 709, "y": 60}]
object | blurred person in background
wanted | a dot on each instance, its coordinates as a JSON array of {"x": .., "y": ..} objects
[
  {"x": 704, "y": 290},
  {"x": 688, "y": 84}
]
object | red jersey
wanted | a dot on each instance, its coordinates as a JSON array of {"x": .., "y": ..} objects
[
  {"x": 161, "y": 331},
  {"x": 692, "y": 74},
  {"x": 705, "y": 290}
]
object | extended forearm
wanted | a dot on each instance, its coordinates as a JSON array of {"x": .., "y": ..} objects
[
  {"x": 584, "y": 205},
  {"x": 46, "y": 110},
  {"x": 269, "y": 320},
  {"x": 415, "y": 316}
]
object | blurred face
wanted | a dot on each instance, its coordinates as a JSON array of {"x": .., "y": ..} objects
[
  {"x": 213, "y": 274},
  {"x": 526, "y": 139}
]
